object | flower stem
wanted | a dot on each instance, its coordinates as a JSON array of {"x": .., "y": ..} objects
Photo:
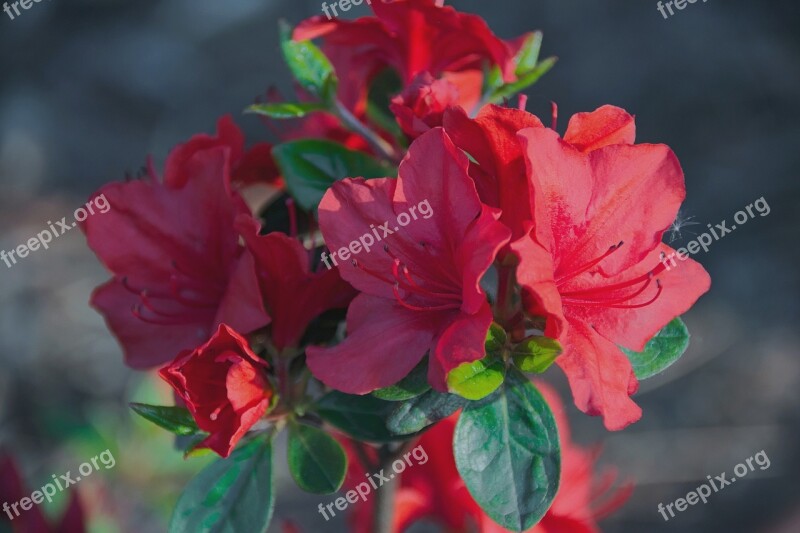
[{"x": 375, "y": 141}]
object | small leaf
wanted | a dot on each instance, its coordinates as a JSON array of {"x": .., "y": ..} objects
[
  {"x": 478, "y": 379},
  {"x": 284, "y": 110},
  {"x": 230, "y": 495},
  {"x": 414, "y": 415},
  {"x": 317, "y": 462},
  {"x": 411, "y": 386},
  {"x": 507, "y": 451},
  {"x": 309, "y": 65},
  {"x": 524, "y": 81},
  {"x": 361, "y": 417},
  {"x": 178, "y": 420},
  {"x": 528, "y": 55},
  {"x": 661, "y": 351},
  {"x": 311, "y": 166},
  {"x": 536, "y": 354}
]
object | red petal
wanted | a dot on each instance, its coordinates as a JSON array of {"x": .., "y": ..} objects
[
  {"x": 463, "y": 341},
  {"x": 604, "y": 126},
  {"x": 600, "y": 376},
  {"x": 384, "y": 343}
]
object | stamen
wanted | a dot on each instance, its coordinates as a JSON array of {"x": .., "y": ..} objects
[
  {"x": 589, "y": 265},
  {"x": 610, "y": 288},
  {"x": 445, "y": 307},
  {"x": 617, "y": 300},
  {"x": 136, "y": 310},
  {"x": 372, "y": 273},
  {"x": 554, "y": 109}
]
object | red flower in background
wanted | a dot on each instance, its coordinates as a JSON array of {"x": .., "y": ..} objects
[
  {"x": 421, "y": 106},
  {"x": 179, "y": 270},
  {"x": 225, "y": 387},
  {"x": 410, "y": 36},
  {"x": 292, "y": 293},
  {"x": 12, "y": 490},
  {"x": 592, "y": 265},
  {"x": 419, "y": 287},
  {"x": 434, "y": 490}
]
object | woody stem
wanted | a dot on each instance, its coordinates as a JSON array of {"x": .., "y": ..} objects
[{"x": 375, "y": 141}]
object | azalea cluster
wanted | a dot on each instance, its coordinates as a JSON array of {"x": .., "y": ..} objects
[{"x": 540, "y": 248}]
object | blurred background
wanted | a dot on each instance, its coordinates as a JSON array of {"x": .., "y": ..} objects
[{"x": 88, "y": 88}]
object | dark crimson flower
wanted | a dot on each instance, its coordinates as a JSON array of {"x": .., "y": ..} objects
[
  {"x": 592, "y": 264},
  {"x": 499, "y": 168},
  {"x": 421, "y": 106},
  {"x": 12, "y": 490},
  {"x": 292, "y": 293},
  {"x": 225, "y": 387},
  {"x": 434, "y": 491},
  {"x": 179, "y": 270},
  {"x": 419, "y": 283},
  {"x": 411, "y": 37}
]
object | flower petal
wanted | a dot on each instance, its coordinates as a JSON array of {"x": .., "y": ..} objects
[{"x": 604, "y": 126}]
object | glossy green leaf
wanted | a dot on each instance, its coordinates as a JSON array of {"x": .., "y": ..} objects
[
  {"x": 661, "y": 351},
  {"x": 178, "y": 420},
  {"x": 414, "y": 415},
  {"x": 317, "y": 462},
  {"x": 312, "y": 70},
  {"x": 536, "y": 354},
  {"x": 507, "y": 451},
  {"x": 311, "y": 166},
  {"x": 284, "y": 110},
  {"x": 230, "y": 495},
  {"x": 411, "y": 386},
  {"x": 361, "y": 417}
]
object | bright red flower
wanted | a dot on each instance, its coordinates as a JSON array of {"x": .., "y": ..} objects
[
  {"x": 179, "y": 270},
  {"x": 12, "y": 490},
  {"x": 225, "y": 387},
  {"x": 592, "y": 265},
  {"x": 409, "y": 36},
  {"x": 292, "y": 293},
  {"x": 434, "y": 491},
  {"x": 419, "y": 286},
  {"x": 499, "y": 168},
  {"x": 421, "y": 106}
]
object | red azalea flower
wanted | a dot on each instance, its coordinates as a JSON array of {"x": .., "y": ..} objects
[
  {"x": 499, "y": 169},
  {"x": 292, "y": 293},
  {"x": 421, "y": 106},
  {"x": 12, "y": 490},
  {"x": 419, "y": 285},
  {"x": 434, "y": 490},
  {"x": 410, "y": 36},
  {"x": 225, "y": 387},
  {"x": 592, "y": 265},
  {"x": 179, "y": 270}
]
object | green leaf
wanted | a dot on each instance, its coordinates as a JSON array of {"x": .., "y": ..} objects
[
  {"x": 507, "y": 451},
  {"x": 311, "y": 166},
  {"x": 414, "y": 415},
  {"x": 536, "y": 354},
  {"x": 524, "y": 81},
  {"x": 661, "y": 351},
  {"x": 178, "y": 420},
  {"x": 317, "y": 462},
  {"x": 361, "y": 417},
  {"x": 230, "y": 495},
  {"x": 528, "y": 55},
  {"x": 309, "y": 65},
  {"x": 480, "y": 378},
  {"x": 284, "y": 110},
  {"x": 411, "y": 386}
]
